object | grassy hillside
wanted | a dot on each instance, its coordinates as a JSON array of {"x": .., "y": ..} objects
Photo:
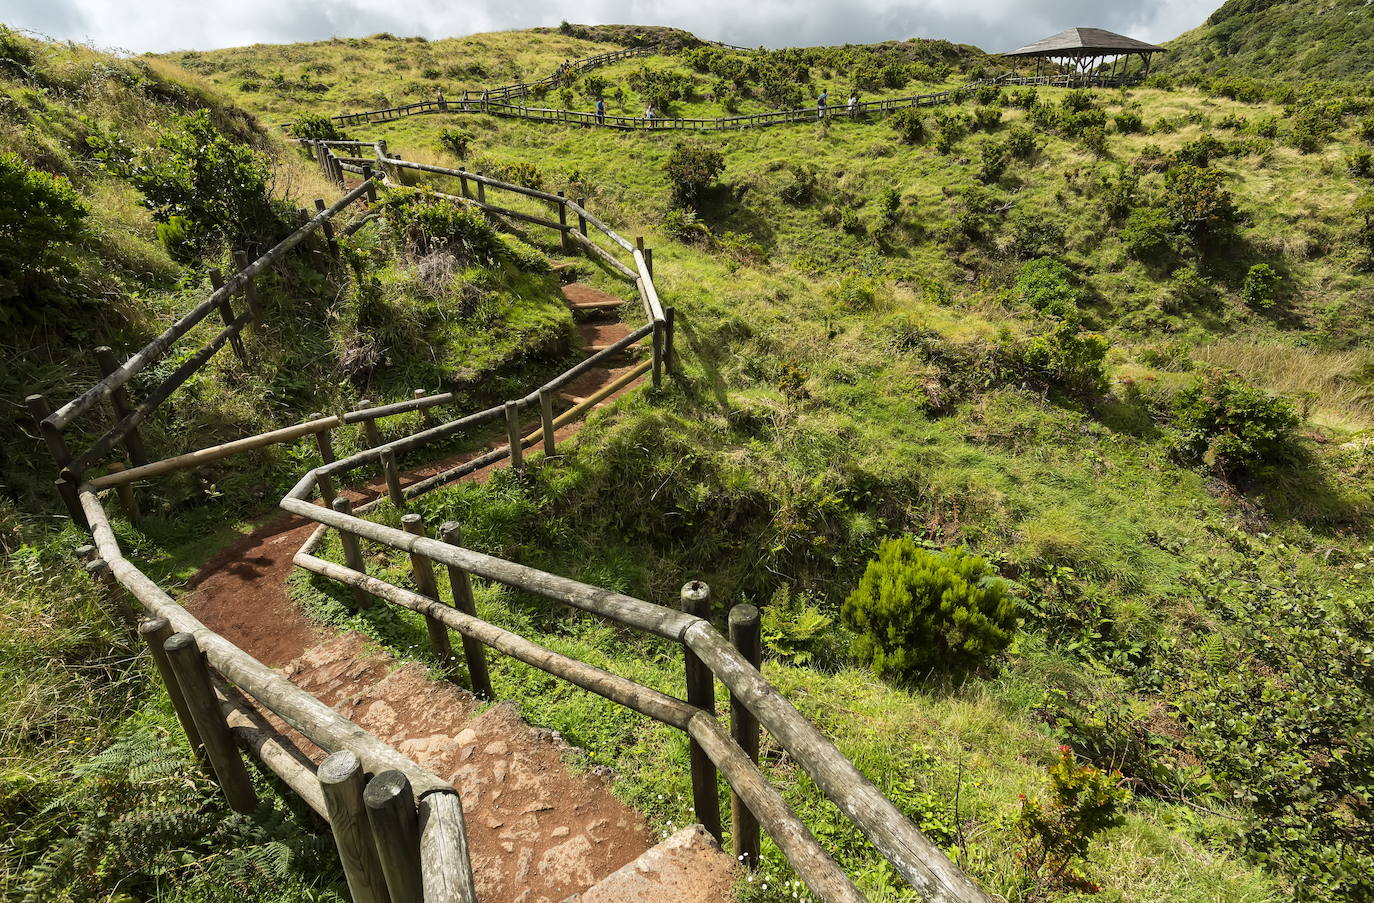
[{"x": 1297, "y": 40}]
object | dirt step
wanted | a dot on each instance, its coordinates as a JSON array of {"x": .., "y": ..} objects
[
  {"x": 586, "y": 385},
  {"x": 583, "y": 297},
  {"x": 566, "y": 270},
  {"x": 536, "y": 830},
  {"x": 688, "y": 867},
  {"x": 600, "y": 336}
]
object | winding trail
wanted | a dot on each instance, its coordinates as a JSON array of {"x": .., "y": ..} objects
[{"x": 538, "y": 831}]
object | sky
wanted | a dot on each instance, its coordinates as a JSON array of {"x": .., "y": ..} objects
[{"x": 994, "y": 25}]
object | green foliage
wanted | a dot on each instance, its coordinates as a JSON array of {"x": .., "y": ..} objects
[
  {"x": 794, "y": 629},
  {"x": 992, "y": 161},
  {"x": 1200, "y": 151},
  {"x": 1198, "y": 201},
  {"x": 1049, "y": 286},
  {"x": 217, "y": 185},
  {"x": 428, "y": 223},
  {"x": 316, "y": 127},
  {"x": 917, "y": 611},
  {"x": 1069, "y": 358},
  {"x": 683, "y": 224},
  {"x": 456, "y": 142},
  {"x": 39, "y": 213},
  {"x": 890, "y": 208},
  {"x": 802, "y": 188},
  {"x": 1147, "y": 233},
  {"x": 1128, "y": 122},
  {"x": 1021, "y": 142},
  {"x": 1261, "y": 287},
  {"x": 1233, "y": 428},
  {"x": 854, "y": 292},
  {"x": 909, "y": 125},
  {"x": 691, "y": 169},
  {"x": 1055, "y": 835},
  {"x": 1360, "y": 163}
]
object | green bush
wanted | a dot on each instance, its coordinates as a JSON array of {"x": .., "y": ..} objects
[
  {"x": 1021, "y": 142},
  {"x": 1077, "y": 101},
  {"x": 992, "y": 161},
  {"x": 683, "y": 224},
  {"x": 1233, "y": 428},
  {"x": 1360, "y": 163},
  {"x": 854, "y": 292},
  {"x": 1068, "y": 358},
  {"x": 802, "y": 188},
  {"x": 426, "y": 223},
  {"x": 1128, "y": 122},
  {"x": 1261, "y": 287},
  {"x": 1047, "y": 285},
  {"x": 217, "y": 185},
  {"x": 691, "y": 168},
  {"x": 1084, "y": 801},
  {"x": 1198, "y": 201},
  {"x": 456, "y": 142},
  {"x": 909, "y": 125},
  {"x": 917, "y": 611},
  {"x": 314, "y": 127},
  {"x": 38, "y": 213},
  {"x": 794, "y": 629},
  {"x": 1147, "y": 232}
]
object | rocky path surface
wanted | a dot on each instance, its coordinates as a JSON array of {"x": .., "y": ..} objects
[{"x": 539, "y": 833}]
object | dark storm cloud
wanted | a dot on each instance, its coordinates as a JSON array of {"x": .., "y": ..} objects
[{"x": 993, "y": 25}]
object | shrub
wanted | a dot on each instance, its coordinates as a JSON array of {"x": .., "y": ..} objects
[
  {"x": 1128, "y": 122},
  {"x": 1095, "y": 139},
  {"x": 795, "y": 630},
  {"x": 1048, "y": 286},
  {"x": 691, "y": 168},
  {"x": 802, "y": 187},
  {"x": 890, "y": 208},
  {"x": 1021, "y": 142},
  {"x": 1366, "y": 129},
  {"x": 1084, "y": 801},
  {"x": 992, "y": 161},
  {"x": 1261, "y": 287},
  {"x": 1077, "y": 101},
  {"x": 38, "y": 212},
  {"x": 1267, "y": 127},
  {"x": 1033, "y": 235},
  {"x": 314, "y": 127},
  {"x": 951, "y": 128},
  {"x": 427, "y": 223},
  {"x": 909, "y": 125},
  {"x": 1197, "y": 200},
  {"x": 1233, "y": 122},
  {"x": 1232, "y": 427},
  {"x": 985, "y": 119},
  {"x": 1147, "y": 232},
  {"x": 218, "y": 186},
  {"x": 1068, "y": 358},
  {"x": 854, "y": 292},
  {"x": 456, "y": 142},
  {"x": 918, "y": 610},
  {"x": 683, "y": 224},
  {"x": 1200, "y": 151},
  {"x": 1360, "y": 163}
]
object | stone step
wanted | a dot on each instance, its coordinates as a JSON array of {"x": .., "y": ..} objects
[{"x": 688, "y": 867}]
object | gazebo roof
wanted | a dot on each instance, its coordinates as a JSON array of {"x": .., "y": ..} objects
[{"x": 1084, "y": 41}]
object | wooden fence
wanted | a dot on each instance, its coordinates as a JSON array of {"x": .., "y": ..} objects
[{"x": 433, "y": 855}]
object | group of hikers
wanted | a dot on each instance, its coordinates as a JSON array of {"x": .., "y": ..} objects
[{"x": 650, "y": 113}]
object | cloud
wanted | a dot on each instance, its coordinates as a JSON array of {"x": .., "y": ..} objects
[{"x": 159, "y": 25}]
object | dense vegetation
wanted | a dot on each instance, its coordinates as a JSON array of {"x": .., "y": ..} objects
[
  {"x": 1291, "y": 39},
  {"x": 1084, "y": 375}
]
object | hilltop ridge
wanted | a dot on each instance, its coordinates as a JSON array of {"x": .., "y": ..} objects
[{"x": 1288, "y": 39}]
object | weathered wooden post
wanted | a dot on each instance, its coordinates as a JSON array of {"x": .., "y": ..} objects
[
  {"x": 565, "y": 242},
  {"x": 423, "y": 571},
  {"x": 426, "y": 414},
  {"x": 353, "y": 553},
  {"x": 325, "y": 443},
  {"x": 156, "y": 632},
  {"x": 744, "y": 728},
  {"x": 57, "y": 447},
  {"x": 657, "y": 342},
  {"x": 393, "y": 479},
  {"x": 371, "y": 185},
  {"x": 193, "y": 676},
  {"x": 341, "y": 783},
  {"x": 119, "y": 400},
  {"x": 127, "y": 500},
  {"x": 517, "y": 457},
  {"x": 696, "y": 600},
  {"x": 649, "y": 261},
  {"x": 481, "y": 189},
  {"x": 463, "y": 182},
  {"x": 669, "y": 332},
  {"x": 371, "y": 434},
  {"x": 250, "y": 290},
  {"x": 382, "y": 156},
  {"x": 461, "y": 585},
  {"x": 328, "y": 229},
  {"x": 226, "y": 314},
  {"x": 395, "y": 824},
  {"x": 582, "y": 219},
  {"x": 546, "y": 419}
]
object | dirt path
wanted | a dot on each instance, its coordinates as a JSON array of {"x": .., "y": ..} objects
[{"x": 538, "y": 832}]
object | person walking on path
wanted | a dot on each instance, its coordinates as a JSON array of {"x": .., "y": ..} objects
[
  {"x": 820, "y": 104},
  {"x": 853, "y": 103},
  {"x": 649, "y": 114},
  {"x": 601, "y": 111}
]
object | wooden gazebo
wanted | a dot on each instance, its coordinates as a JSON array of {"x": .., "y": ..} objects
[{"x": 1083, "y": 50}]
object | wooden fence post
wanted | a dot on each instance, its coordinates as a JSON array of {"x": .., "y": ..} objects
[
  {"x": 371, "y": 186},
  {"x": 546, "y": 418},
  {"x": 426, "y": 414},
  {"x": 649, "y": 261},
  {"x": 517, "y": 458},
  {"x": 380, "y": 147},
  {"x": 226, "y": 314},
  {"x": 328, "y": 229},
  {"x": 463, "y": 182},
  {"x": 119, "y": 399},
  {"x": 564, "y": 241},
  {"x": 193, "y": 676},
  {"x": 57, "y": 447},
  {"x": 127, "y": 500},
  {"x": 353, "y": 553},
  {"x": 669, "y": 332},
  {"x": 250, "y": 291},
  {"x": 461, "y": 585},
  {"x": 657, "y": 340},
  {"x": 370, "y": 430},
  {"x": 393, "y": 479},
  {"x": 325, "y": 443},
  {"x": 481, "y": 189},
  {"x": 423, "y": 571},
  {"x": 341, "y": 783},
  {"x": 696, "y": 600},
  {"x": 395, "y": 824},
  {"x": 156, "y": 632},
  {"x": 581, "y": 219},
  {"x": 744, "y": 728}
]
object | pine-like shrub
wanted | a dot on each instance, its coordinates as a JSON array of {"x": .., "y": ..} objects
[
  {"x": 916, "y": 610},
  {"x": 1261, "y": 288},
  {"x": 691, "y": 168},
  {"x": 1083, "y": 802},
  {"x": 314, "y": 127}
]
